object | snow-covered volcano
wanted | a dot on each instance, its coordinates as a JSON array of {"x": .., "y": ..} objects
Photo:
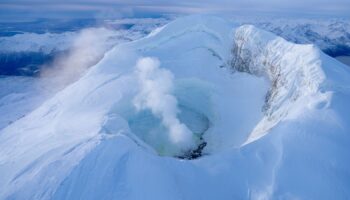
[{"x": 264, "y": 118}]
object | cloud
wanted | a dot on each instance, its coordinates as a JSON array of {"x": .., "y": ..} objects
[
  {"x": 95, "y": 8},
  {"x": 156, "y": 85},
  {"x": 87, "y": 49}
]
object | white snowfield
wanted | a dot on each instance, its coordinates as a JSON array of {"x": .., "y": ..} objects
[{"x": 274, "y": 115}]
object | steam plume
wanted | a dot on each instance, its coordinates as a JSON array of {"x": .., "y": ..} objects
[{"x": 155, "y": 94}]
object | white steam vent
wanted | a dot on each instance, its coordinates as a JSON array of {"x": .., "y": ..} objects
[{"x": 156, "y": 86}]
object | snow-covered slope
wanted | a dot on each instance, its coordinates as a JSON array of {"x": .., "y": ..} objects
[
  {"x": 21, "y": 95},
  {"x": 269, "y": 119}
]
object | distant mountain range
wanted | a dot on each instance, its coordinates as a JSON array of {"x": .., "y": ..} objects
[{"x": 26, "y": 47}]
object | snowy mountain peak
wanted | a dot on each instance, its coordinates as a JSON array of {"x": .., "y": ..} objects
[{"x": 184, "y": 114}]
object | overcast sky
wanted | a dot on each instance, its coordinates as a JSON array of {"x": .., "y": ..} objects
[{"x": 129, "y": 8}]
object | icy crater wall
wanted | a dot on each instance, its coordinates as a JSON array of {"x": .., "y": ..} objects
[{"x": 294, "y": 71}]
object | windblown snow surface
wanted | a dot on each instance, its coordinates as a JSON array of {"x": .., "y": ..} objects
[{"x": 269, "y": 118}]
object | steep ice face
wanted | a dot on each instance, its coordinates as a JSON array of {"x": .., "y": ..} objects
[
  {"x": 279, "y": 131},
  {"x": 294, "y": 71}
]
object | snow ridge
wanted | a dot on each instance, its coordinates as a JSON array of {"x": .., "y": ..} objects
[{"x": 295, "y": 72}]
